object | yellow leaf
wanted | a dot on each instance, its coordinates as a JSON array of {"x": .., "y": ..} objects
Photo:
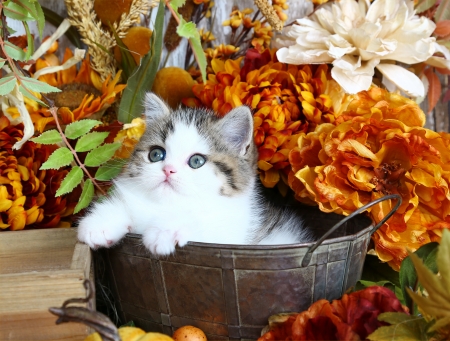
[{"x": 437, "y": 303}]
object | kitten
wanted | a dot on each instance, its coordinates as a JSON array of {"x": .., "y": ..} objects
[{"x": 192, "y": 177}]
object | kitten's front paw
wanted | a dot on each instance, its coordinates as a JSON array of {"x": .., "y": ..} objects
[
  {"x": 100, "y": 231},
  {"x": 162, "y": 242}
]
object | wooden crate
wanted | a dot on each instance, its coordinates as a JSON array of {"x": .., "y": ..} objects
[{"x": 40, "y": 269}]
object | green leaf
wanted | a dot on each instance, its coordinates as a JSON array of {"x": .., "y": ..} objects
[
  {"x": 109, "y": 170},
  {"x": 423, "y": 5},
  {"x": 15, "y": 11},
  {"x": 90, "y": 141},
  {"x": 404, "y": 328},
  {"x": 35, "y": 11},
  {"x": 128, "y": 324},
  {"x": 101, "y": 154},
  {"x": 37, "y": 86},
  {"x": 408, "y": 274},
  {"x": 142, "y": 79},
  {"x": 15, "y": 52},
  {"x": 60, "y": 157},
  {"x": 376, "y": 270},
  {"x": 30, "y": 41},
  {"x": 48, "y": 137},
  {"x": 26, "y": 92},
  {"x": 443, "y": 11},
  {"x": 7, "y": 84},
  {"x": 2, "y": 62},
  {"x": 189, "y": 30},
  {"x": 86, "y": 196},
  {"x": 76, "y": 129},
  {"x": 72, "y": 180},
  {"x": 177, "y": 4},
  {"x": 128, "y": 64}
]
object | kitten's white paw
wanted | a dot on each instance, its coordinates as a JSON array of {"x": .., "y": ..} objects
[
  {"x": 103, "y": 231},
  {"x": 162, "y": 242}
]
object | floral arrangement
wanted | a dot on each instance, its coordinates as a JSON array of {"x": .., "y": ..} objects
[
  {"x": 336, "y": 118},
  {"x": 375, "y": 313}
]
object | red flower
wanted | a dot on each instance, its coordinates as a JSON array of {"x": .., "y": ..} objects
[
  {"x": 360, "y": 309},
  {"x": 352, "y": 318}
]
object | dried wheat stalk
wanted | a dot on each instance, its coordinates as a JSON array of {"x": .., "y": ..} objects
[
  {"x": 81, "y": 15},
  {"x": 127, "y": 20},
  {"x": 270, "y": 14}
]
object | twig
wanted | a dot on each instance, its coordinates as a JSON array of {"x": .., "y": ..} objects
[
  {"x": 244, "y": 33},
  {"x": 91, "y": 318},
  {"x": 174, "y": 14},
  {"x": 12, "y": 63}
]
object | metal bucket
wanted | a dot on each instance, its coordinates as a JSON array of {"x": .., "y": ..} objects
[{"x": 229, "y": 291}]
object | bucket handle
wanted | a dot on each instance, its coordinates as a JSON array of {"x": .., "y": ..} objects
[{"x": 307, "y": 258}]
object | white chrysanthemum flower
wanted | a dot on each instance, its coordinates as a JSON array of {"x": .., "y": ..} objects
[{"x": 357, "y": 36}]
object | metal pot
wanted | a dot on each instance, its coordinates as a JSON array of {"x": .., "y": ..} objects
[{"x": 229, "y": 291}]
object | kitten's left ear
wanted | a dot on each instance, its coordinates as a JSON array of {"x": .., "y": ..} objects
[
  {"x": 154, "y": 106},
  {"x": 236, "y": 128}
]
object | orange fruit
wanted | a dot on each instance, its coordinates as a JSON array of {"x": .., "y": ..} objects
[
  {"x": 137, "y": 41},
  {"x": 173, "y": 84},
  {"x": 110, "y": 11},
  {"x": 189, "y": 333}
]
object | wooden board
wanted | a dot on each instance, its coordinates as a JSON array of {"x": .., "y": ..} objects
[{"x": 40, "y": 269}]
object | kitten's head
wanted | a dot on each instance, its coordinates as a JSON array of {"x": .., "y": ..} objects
[{"x": 194, "y": 152}]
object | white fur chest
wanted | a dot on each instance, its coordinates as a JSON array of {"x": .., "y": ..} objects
[{"x": 218, "y": 219}]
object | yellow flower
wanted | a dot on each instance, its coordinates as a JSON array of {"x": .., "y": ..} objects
[
  {"x": 206, "y": 36},
  {"x": 221, "y": 51},
  {"x": 279, "y": 6},
  {"x": 82, "y": 96},
  {"x": 262, "y": 35},
  {"x": 129, "y": 136},
  {"x": 236, "y": 18}
]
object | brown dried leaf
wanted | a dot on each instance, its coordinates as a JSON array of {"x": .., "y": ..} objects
[
  {"x": 442, "y": 28},
  {"x": 442, "y": 71},
  {"x": 434, "y": 89}
]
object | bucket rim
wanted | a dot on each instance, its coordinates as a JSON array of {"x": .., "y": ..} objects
[{"x": 201, "y": 245}]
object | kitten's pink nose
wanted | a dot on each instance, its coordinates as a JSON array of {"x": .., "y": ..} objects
[{"x": 169, "y": 170}]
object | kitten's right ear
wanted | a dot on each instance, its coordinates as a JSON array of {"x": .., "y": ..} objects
[
  {"x": 155, "y": 106},
  {"x": 236, "y": 128}
]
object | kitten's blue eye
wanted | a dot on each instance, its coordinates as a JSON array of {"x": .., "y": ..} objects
[
  {"x": 196, "y": 161},
  {"x": 157, "y": 154}
]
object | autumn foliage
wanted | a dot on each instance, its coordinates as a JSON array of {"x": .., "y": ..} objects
[
  {"x": 351, "y": 318},
  {"x": 286, "y": 100},
  {"x": 27, "y": 194}
]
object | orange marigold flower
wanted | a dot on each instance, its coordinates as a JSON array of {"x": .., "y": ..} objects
[
  {"x": 83, "y": 94},
  {"x": 377, "y": 146},
  {"x": 27, "y": 194},
  {"x": 286, "y": 100}
]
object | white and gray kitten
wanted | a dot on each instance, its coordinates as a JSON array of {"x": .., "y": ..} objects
[{"x": 192, "y": 177}]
